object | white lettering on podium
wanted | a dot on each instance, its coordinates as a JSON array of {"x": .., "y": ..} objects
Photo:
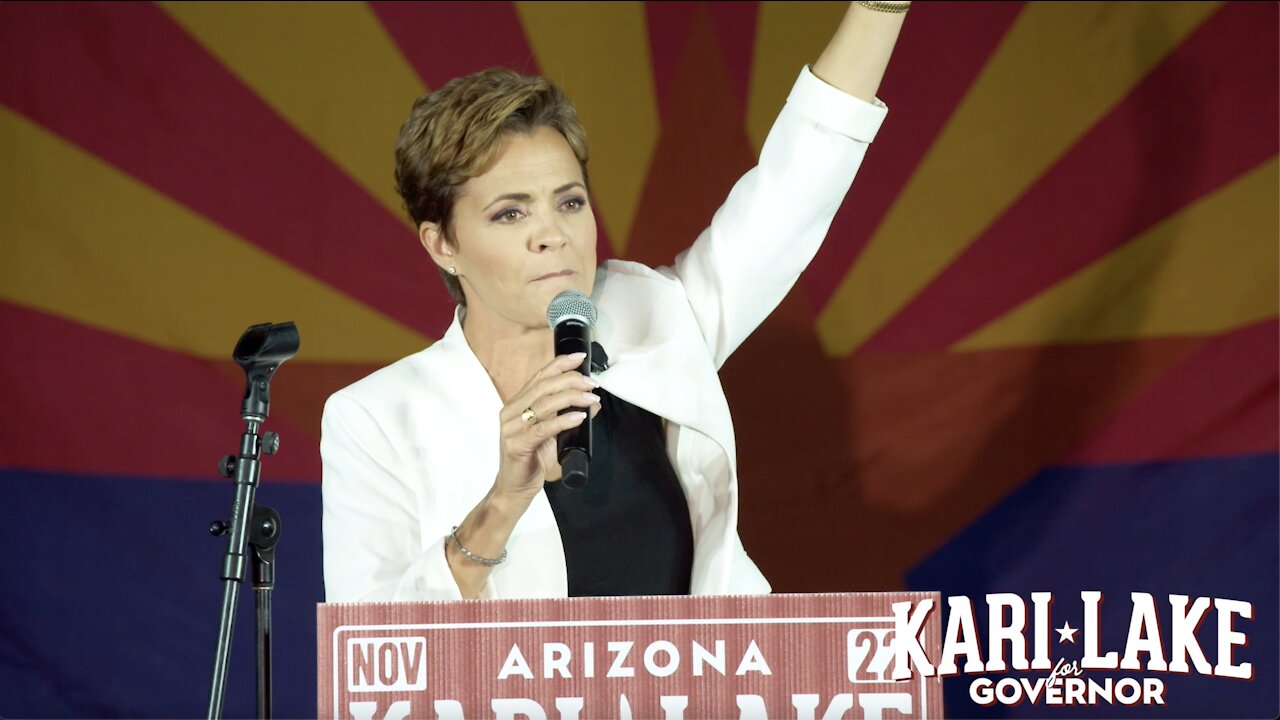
[
  {"x": 1144, "y": 635},
  {"x": 961, "y": 638},
  {"x": 449, "y": 710},
  {"x": 702, "y": 658},
  {"x": 368, "y": 710},
  {"x": 673, "y": 706},
  {"x": 752, "y": 707},
  {"x": 807, "y": 706},
  {"x": 555, "y": 659},
  {"x": 868, "y": 654},
  {"x": 1183, "y": 635},
  {"x": 515, "y": 708},
  {"x": 874, "y": 704},
  {"x": 753, "y": 661},
  {"x": 1228, "y": 638},
  {"x": 658, "y": 659},
  {"x": 515, "y": 664},
  {"x": 908, "y": 621},
  {"x": 1092, "y": 660},
  {"x": 569, "y": 708},
  {"x": 651, "y": 662},
  {"x": 1000, "y": 632},
  {"x": 386, "y": 664},
  {"x": 617, "y": 669}
]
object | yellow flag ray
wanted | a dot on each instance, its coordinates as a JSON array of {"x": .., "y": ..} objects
[
  {"x": 599, "y": 55},
  {"x": 788, "y": 35},
  {"x": 1060, "y": 67},
  {"x": 1212, "y": 267},
  {"x": 85, "y": 241},
  {"x": 329, "y": 69}
]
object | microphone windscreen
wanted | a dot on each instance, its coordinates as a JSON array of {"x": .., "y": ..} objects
[{"x": 571, "y": 305}]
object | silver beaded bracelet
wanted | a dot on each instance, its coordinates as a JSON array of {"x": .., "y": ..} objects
[
  {"x": 889, "y": 6},
  {"x": 487, "y": 562}
]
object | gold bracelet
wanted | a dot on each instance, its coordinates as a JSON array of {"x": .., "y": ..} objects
[{"x": 882, "y": 6}]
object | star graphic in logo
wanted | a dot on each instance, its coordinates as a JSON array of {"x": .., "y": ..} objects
[{"x": 1067, "y": 633}]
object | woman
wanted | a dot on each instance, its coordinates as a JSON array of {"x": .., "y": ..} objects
[{"x": 440, "y": 470}]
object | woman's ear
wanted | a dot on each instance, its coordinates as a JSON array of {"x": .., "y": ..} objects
[{"x": 433, "y": 240}]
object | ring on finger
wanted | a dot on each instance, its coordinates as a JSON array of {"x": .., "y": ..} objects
[{"x": 529, "y": 417}]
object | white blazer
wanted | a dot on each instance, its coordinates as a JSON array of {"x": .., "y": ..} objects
[{"x": 409, "y": 450}]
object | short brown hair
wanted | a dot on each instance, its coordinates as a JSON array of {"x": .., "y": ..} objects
[{"x": 454, "y": 133}]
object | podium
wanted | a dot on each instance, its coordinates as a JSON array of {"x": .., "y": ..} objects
[{"x": 762, "y": 656}]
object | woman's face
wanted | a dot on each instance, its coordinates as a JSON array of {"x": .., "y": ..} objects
[{"x": 524, "y": 231}]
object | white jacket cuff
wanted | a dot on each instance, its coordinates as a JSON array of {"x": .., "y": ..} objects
[{"x": 835, "y": 108}]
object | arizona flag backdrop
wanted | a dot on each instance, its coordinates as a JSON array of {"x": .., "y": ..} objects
[{"x": 1038, "y": 351}]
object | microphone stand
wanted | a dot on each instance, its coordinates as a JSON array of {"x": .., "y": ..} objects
[{"x": 260, "y": 352}]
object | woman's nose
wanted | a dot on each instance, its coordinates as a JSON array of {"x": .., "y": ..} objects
[{"x": 550, "y": 235}]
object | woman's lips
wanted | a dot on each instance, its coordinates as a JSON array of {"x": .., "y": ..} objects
[{"x": 548, "y": 276}]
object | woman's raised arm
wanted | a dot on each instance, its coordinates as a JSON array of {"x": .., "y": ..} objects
[
  {"x": 776, "y": 216},
  {"x": 856, "y": 57}
]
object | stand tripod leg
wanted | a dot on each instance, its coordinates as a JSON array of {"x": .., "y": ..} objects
[
  {"x": 263, "y": 596},
  {"x": 231, "y": 593},
  {"x": 263, "y": 537}
]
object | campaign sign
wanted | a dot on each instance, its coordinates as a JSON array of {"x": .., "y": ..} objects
[{"x": 767, "y": 656}]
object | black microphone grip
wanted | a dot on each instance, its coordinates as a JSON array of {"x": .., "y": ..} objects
[{"x": 573, "y": 446}]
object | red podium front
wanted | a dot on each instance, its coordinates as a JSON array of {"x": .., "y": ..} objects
[{"x": 765, "y": 656}]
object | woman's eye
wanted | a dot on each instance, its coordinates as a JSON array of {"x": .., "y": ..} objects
[
  {"x": 575, "y": 203},
  {"x": 508, "y": 215}
]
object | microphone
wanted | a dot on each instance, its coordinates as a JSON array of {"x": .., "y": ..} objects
[{"x": 571, "y": 316}]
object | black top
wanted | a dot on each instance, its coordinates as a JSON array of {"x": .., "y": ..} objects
[{"x": 627, "y": 531}]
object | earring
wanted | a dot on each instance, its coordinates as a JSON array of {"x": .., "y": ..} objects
[{"x": 453, "y": 271}]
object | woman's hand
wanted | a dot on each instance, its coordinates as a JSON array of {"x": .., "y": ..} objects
[
  {"x": 528, "y": 451},
  {"x": 528, "y": 459}
]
